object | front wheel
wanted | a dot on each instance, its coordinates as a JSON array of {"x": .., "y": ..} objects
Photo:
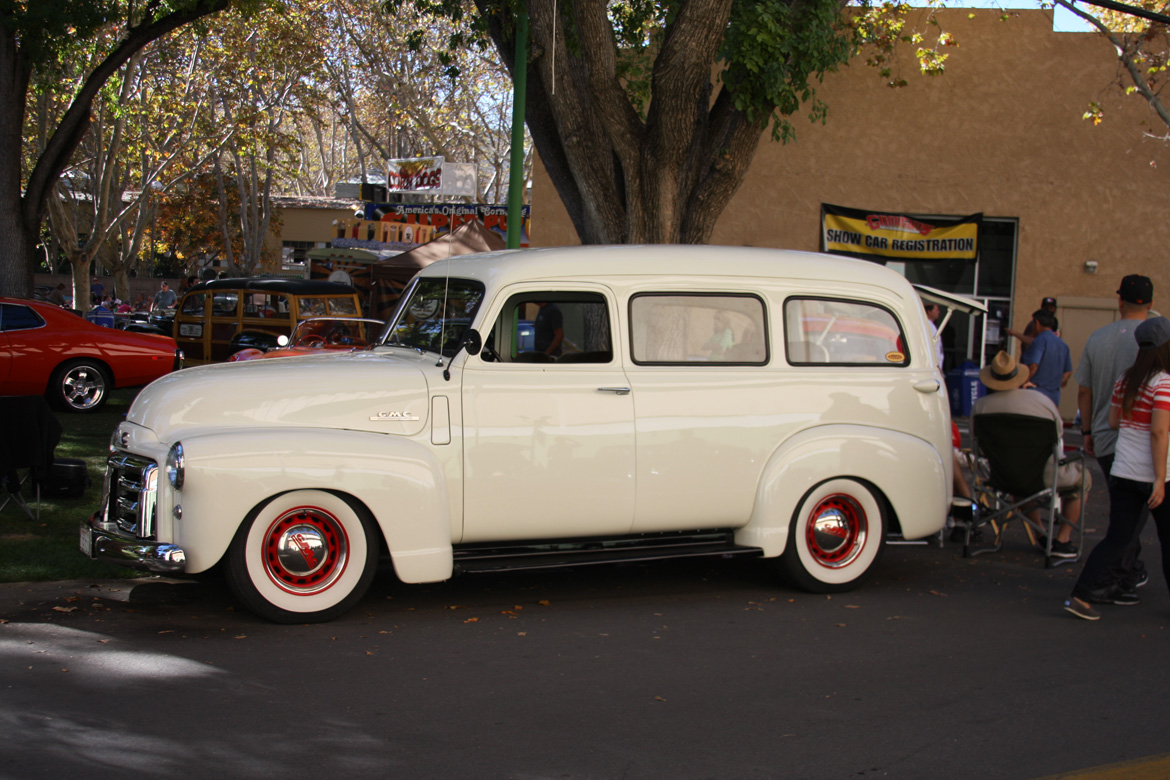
[
  {"x": 835, "y": 537},
  {"x": 79, "y": 386},
  {"x": 303, "y": 557}
]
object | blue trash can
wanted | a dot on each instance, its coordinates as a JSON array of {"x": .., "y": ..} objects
[
  {"x": 102, "y": 317},
  {"x": 964, "y": 388}
]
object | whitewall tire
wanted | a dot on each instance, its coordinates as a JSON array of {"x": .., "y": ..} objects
[
  {"x": 835, "y": 538},
  {"x": 303, "y": 557}
]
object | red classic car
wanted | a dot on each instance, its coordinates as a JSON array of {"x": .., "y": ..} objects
[
  {"x": 50, "y": 351},
  {"x": 319, "y": 333}
]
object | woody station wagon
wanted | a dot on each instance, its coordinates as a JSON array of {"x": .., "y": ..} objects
[
  {"x": 216, "y": 319},
  {"x": 672, "y": 401}
]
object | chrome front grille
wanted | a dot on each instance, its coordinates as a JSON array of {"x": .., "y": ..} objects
[{"x": 131, "y": 492}]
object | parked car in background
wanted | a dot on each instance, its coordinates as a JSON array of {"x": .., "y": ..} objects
[
  {"x": 215, "y": 319},
  {"x": 142, "y": 322},
  {"x": 313, "y": 336},
  {"x": 50, "y": 351},
  {"x": 725, "y": 401}
]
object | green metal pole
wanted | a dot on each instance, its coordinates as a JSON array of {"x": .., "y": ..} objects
[{"x": 516, "y": 165}]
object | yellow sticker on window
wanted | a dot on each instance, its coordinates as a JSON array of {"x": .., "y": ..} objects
[{"x": 895, "y": 357}]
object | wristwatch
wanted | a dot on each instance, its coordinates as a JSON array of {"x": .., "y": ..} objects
[{"x": 1086, "y": 433}]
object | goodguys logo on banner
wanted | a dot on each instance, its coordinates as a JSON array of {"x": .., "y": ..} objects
[{"x": 882, "y": 234}]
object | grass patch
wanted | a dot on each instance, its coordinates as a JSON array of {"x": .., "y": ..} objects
[{"x": 47, "y": 549}]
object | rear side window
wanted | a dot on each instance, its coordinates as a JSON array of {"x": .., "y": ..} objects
[
  {"x": 16, "y": 317},
  {"x": 823, "y": 331},
  {"x": 674, "y": 329},
  {"x": 262, "y": 304},
  {"x": 342, "y": 306}
]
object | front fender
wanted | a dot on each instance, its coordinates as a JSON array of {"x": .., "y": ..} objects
[
  {"x": 909, "y": 472},
  {"x": 399, "y": 481}
]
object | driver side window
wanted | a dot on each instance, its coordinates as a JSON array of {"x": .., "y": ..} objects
[{"x": 551, "y": 327}]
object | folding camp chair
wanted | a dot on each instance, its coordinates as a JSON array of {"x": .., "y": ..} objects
[
  {"x": 1010, "y": 454},
  {"x": 28, "y": 436}
]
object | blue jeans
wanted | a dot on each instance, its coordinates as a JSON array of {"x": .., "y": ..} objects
[{"x": 1127, "y": 498}]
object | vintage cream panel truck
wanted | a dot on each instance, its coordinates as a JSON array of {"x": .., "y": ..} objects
[{"x": 551, "y": 407}]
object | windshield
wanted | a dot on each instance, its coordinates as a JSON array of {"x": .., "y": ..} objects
[
  {"x": 336, "y": 332},
  {"x": 436, "y": 314}
]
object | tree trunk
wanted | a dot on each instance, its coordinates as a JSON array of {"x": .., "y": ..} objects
[
  {"x": 660, "y": 173},
  {"x": 23, "y": 203},
  {"x": 17, "y": 238},
  {"x": 79, "y": 266}
]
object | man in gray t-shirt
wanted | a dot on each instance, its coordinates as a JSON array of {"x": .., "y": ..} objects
[
  {"x": 1108, "y": 352},
  {"x": 165, "y": 297}
]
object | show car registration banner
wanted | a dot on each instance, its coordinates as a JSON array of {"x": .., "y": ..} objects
[{"x": 883, "y": 234}]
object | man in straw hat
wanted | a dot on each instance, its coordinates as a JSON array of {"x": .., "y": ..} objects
[{"x": 1006, "y": 378}]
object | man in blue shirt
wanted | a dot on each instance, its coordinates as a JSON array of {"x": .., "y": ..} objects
[{"x": 1047, "y": 357}]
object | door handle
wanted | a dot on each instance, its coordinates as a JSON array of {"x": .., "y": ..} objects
[
  {"x": 618, "y": 390},
  {"x": 927, "y": 386}
]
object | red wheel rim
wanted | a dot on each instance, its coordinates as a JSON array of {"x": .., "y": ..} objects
[
  {"x": 305, "y": 550},
  {"x": 836, "y": 531}
]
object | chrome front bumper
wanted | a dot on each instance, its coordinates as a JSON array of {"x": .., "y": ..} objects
[{"x": 102, "y": 542}]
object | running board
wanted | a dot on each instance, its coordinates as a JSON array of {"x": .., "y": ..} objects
[{"x": 587, "y": 552}]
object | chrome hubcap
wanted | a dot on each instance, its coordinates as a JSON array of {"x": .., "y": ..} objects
[
  {"x": 837, "y": 531},
  {"x": 305, "y": 550}
]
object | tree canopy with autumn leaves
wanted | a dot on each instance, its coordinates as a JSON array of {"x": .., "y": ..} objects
[{"x": 646, "y": 113}]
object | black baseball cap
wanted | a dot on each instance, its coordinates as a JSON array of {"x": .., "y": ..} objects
[
  {"x": 1136, "y": 289},
  {"x": 1048, "y": 302}
]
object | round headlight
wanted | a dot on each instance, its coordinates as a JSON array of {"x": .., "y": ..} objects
[
  {"x": 119, "y": 440},
  {"x": 174, "y": 466}
]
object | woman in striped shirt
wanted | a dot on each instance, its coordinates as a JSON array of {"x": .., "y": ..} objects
[{"x": 1140, "y": 408}]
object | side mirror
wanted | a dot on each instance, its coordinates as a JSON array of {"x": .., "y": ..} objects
[{"x": 472, "y": 341}]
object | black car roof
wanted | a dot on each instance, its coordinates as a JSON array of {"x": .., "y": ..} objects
[{"x": 274, "y": 284}]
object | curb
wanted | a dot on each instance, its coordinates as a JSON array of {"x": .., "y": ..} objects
[{"x": 14, "y": 595}]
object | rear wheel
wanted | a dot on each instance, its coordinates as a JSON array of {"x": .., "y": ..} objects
[
  {"x": 303, "y": 557},
  {"x": 835, "y": 537},
  {"x": 79, "y": 386}
]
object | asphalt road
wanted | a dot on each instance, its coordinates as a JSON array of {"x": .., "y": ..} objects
[{"x": 940, "y": 667}]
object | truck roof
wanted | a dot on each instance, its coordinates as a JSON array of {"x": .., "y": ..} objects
[{"x": 515, "y": 265}]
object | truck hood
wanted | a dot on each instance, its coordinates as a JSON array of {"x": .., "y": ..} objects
[{"x": 366, "y": 391}]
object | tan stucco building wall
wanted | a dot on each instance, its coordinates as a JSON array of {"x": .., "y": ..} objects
[
  {"x": 1000, "y": 133},
  {"x": 309, "y": 219}
]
